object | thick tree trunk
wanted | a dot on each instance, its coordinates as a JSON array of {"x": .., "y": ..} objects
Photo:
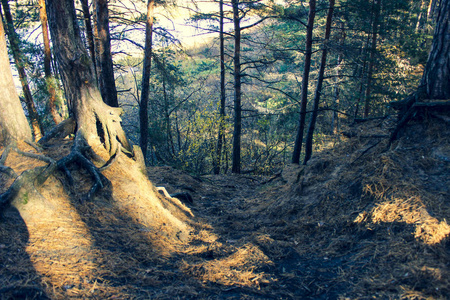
[
  {"x": 236, "y": 166},
  {"x": 436, "y": 77},
  {"x": 143, "y": 106},
  {"x": 13, "y": 123},
  {"x": 98, "y": 125},
  {"x": 107, "y": 82},
  {"x": 304, "y": 100},
  {"x": 15, "y": 48},
  {"x": 221, "y": 135},
  {"x": 323, "y": 62},
  {"x": 50, "y": 80},
  {"x": 89, "y": 33}
]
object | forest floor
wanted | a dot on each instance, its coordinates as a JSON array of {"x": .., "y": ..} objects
[{"x": 360, "y": 221}]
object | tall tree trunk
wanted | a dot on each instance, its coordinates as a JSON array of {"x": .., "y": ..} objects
[
  {"x": 107, "y": 82},
  {"x": 221, "y": 135},
  {"x": 18, "y": 59},
  {"x": 236, "y": 159},
  {"x": 98, "y": 125},
  {"x": 13, "y": 123},
  {"x": 436, "y": 77},
  {"x": 323, "y": 62},
  {"x": 50, "y": 80},
  {"x": 373, "y": 48},
  {"x": 89, "y": 33},
  {"x": 304, "y": 99},
  {"x": 335, "y": 118},
  {"x": 143, "y": 105}
]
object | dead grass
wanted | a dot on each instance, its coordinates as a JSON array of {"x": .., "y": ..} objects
[{"x": 359, "y": 221}]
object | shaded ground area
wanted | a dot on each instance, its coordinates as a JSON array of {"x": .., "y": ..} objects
[{"x": 360, "y": 221}]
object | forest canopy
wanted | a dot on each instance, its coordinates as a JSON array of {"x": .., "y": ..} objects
[{"x": 229, "y": 97}]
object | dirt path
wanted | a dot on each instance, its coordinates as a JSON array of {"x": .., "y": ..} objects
[{"x": 246, "y": 259}]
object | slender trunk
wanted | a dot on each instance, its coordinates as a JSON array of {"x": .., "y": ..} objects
[
  {"x": 50, "y": 81},
  {"x": 373, "y": 48},
  {"x": 13, "y": 123},
  {"x": 18, "y": 59},
  {"x": 236, "y": 165},
  {"x": 143, "y": 106},
  {"x": 107, "y": 82},
  {"x": 323, "y": 62},
  {"x": 335, "y": 118},
  {"x": 170, "y": 146},
  {"x": 221, "y": 135},
  {"x": 308, "y": 53},
  {"x": 89, "y": 33}
]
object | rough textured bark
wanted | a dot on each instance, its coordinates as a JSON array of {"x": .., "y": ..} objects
[
  {"x": 436, "y": 77},
  {"x": 107, "y": 82},
  {"x": 89, "y": 33},
  {"x": 323, "y": 62},
  {"x": 304, "y": 99},
  {"x": 236, "y": 158},
  {"x": 48, "y": 65},
  {"x": 221, "y": 135},
  {"x": 15, "y": 48},
  {"x": 143, "y": 106},
  {"x": 98, "y": 125},
  {"x": 13, "y": 123}
]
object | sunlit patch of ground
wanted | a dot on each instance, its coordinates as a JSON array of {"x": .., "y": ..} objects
[{"x": 359, "y": 221}]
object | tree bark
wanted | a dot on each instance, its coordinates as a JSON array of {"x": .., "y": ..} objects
[
  {"x": 304, "y": 99},
  {"x": 13, "y": 123},
  {"x": 15, "y": 48},
  {"x": 50, "y": 80},
  {"x": 221, "y": 134},
  {"x": 98, "y": 125},
  {"x": 436, "y": 77},
  {"x": 323, "y": 62},
  {"x": 89, "y": 33},
  {"x": 143, "y": 106},
  {"x": 107, "y": 82},
  {"x": 236, "y": 158}
]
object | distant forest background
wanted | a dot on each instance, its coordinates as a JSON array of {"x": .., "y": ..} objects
[{"x": 238, "y": 109}]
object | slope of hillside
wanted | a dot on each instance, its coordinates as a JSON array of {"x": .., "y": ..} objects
[{"x": 360, "y": 221}]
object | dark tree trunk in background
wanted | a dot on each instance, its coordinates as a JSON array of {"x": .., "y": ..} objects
[
  {"x": 50, "y": 80},
  {"x": 373, "y": 48},
  {"x": 13, "y": 123},
  {"x": 221, "y": 135},
  {"x": 305, "y": 79},
  {"x": 335, "y": 119},
  {"x": 236, "y": 158},
  {"x": 106, "y": 80},
  {"x": 143, "y": 106},
  {"x": 18, "y": 59},
  {"x": 436, "y": 76},
  {"x": 323, "y": 62},
  {"x": 89, "y": 33}
]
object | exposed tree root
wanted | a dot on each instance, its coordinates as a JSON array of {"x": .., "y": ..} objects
[
  {"x": 28, "y": 180},
  {"x": 61, "y": 130}
]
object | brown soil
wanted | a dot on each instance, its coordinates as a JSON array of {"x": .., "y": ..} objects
[{"x": 360, "y": 221}]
